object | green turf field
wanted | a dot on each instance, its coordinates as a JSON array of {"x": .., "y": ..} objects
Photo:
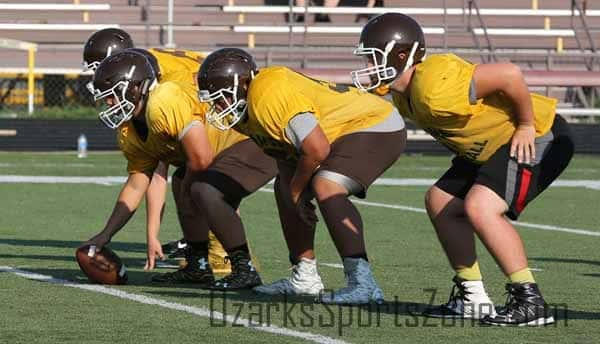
[{"x": 42, "y": 224}]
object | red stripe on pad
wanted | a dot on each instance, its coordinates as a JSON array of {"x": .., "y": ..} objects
[{"x": 525, "y": 181}]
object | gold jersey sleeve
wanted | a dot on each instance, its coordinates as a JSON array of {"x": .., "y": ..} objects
[
  {"x": 173, "y": 107},
  {"x": 438, "y": 101},
  {"x": 178, "y": 65},
  {"x": 277, "y": 94}
]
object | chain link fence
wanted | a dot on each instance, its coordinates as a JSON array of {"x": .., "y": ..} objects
[{"x": 55, "y": 96}]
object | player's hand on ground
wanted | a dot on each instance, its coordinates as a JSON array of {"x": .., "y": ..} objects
[
  {"x": 154, "y": 250},
  {"x": 522, "y": 146},
  {"x": 99, "y": 240}
]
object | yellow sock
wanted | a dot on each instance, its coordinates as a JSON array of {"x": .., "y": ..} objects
[
  {"x": 469, "y": 273},
  {"x": 522, "y": 276}
]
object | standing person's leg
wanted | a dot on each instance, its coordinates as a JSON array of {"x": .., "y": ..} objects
[
  {"x": 195, "y": 232},
  {"x": 354, "y": 163},
  {"x": 445, "y": 207},
  {"x": 299, "y": 237},
  {"x": 504, "y": 187},
  {"x": 235, "y": 173}
]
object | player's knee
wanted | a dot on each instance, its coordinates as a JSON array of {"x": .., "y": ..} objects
[
  {"x": 436, "y": 204},
  {"x": 428, "y": 199},
  {"x": 477, "y": 211},
  {"x": 325, "y": 189}
]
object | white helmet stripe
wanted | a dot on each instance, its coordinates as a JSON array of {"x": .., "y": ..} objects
[{"x": 411, "y": 56}]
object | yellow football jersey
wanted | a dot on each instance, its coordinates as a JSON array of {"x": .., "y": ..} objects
[
  {"x": 277, "y": 94},
  {"x": 438, "y": 101},
  {"x": 178, "y": 65},
  {"x": 172, "y": 106}
]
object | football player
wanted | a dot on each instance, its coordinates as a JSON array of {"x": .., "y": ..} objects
[
  {"x": 509, "y": 147},
  {"x": 165, "y": 122},
  {"x": 330, "y": 142},
  {"x": 169, "y": 65}
]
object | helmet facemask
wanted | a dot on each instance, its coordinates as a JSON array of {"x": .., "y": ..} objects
[
  {"x": 122, "y": 109},
  {"x": 227, "y": 105},
  {"x": 380, "y": 73}
]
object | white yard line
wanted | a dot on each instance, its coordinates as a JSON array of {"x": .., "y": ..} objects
[
  {"x": 593, "y": 184},
  {"x": 199, "y": 311},
  {"x": 109, "y": 180},
  {"x": 517, "y": 223}
]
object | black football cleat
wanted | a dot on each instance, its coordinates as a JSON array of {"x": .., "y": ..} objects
[
  {"x": 468, "y": 300},
  {"x": 175, "y": 249},
  {"x": 243, "y": 274},
  {"x": 525, "y": 306},
  {"x": 197, "y": 271}
]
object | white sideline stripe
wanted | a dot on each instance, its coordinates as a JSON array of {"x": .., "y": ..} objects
[
  {"x": 517, "y": 223},
  {"x": 109, "y": 180},
  {"x": 199, "y": 311},
  {"x": 333, "y": 265},
  {"x": 594, "y": 184}
]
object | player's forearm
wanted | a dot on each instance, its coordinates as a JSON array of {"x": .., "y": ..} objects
[
  {"x": 155, "y": 202},
  {"x": 303, "y": 174},
  {"x": 517, "y": 91},
  {"x": 129, "y": 199}
]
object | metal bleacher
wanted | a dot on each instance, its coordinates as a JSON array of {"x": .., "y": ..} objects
[
  {"x": 206, "y": 24},
  {"x": 536, "y": 34}
]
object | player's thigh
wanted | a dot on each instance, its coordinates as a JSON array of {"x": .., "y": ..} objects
[
  {"x": 446, "y": 196},
  {"x": 246, "y": 165},
  {"x": 356, "y": 160}
]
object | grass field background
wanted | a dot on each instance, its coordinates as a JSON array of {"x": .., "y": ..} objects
[{"x": 42, "y": 224}]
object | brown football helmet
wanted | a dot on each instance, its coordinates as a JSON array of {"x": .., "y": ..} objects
[
  {"x": 102, "y": 44},
  {"x": 125, "y": 79},
  {"x": 222, "y": 80},
  {"x": 382, "y": 40}
]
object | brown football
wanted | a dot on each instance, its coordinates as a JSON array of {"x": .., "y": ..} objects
[{"x": 103, "y": 267}]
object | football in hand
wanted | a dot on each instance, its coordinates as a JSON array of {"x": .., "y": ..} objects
[{"x": 103, "y": 267}]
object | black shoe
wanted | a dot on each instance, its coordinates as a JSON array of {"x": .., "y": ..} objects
[
  {"x": 243, "y": 275},
  {"x": 468, "y": 300},
  {"x": 196, "y": 271},
  {"x": 525, "y": 306},
  {"x": 175, "y": 249}
]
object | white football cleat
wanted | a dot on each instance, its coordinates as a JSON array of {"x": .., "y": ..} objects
[
  {"x": 305, "y": 280},
  {"x": 362, "y": 287},
  {"x": 468, "y": 300}
]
